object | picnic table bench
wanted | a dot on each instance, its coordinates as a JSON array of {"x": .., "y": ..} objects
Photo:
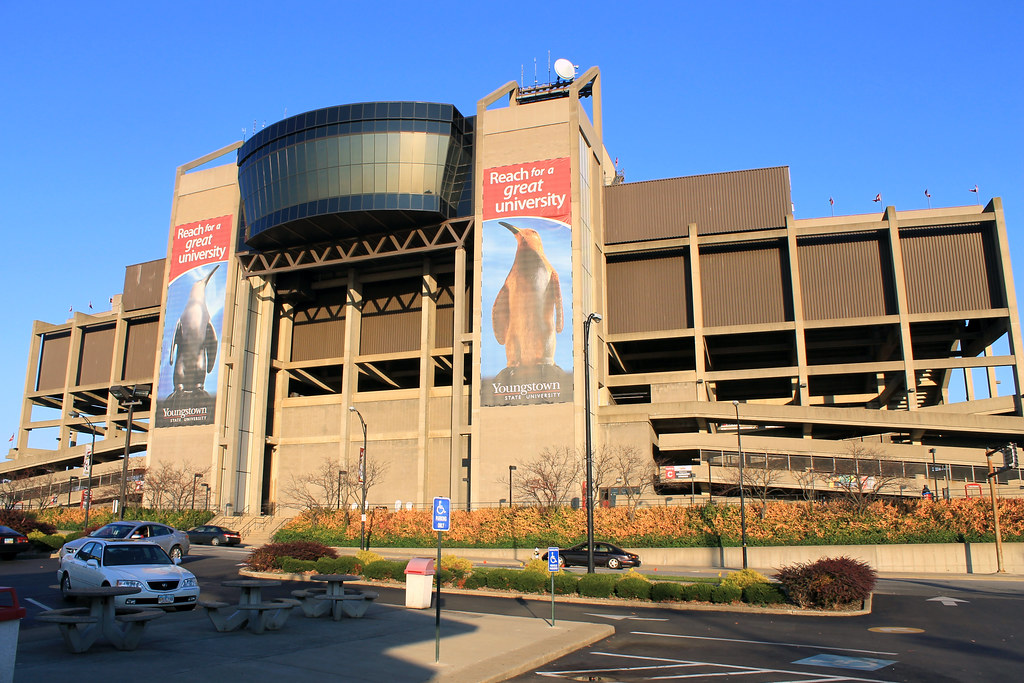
[{"x": 81, "y": 627}]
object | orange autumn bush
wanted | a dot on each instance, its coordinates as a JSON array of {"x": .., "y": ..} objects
[{"x": 780, "y": 523}]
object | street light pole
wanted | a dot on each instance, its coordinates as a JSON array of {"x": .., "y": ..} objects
[
  {"x": 207, "y": 487},
  {"x": 593, "y": 317},
  {"x": 87, "y": 466},
  {"x": 70, "y": 479},
  {"x": 128, "y": 397},
  {"x": 195, "y": 480},
  {"x": 362, "y": 479},
  {"x": 935, "y": 476},
  {"x": 743, "y": 500}
]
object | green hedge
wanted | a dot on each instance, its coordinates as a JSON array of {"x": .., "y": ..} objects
[
  {"x": 530, "y": 582},
  {"x": 633, "y": 588},
  {"x": 667, "y": 591},
  {"x": 698, "y": 592},
  {"x": 385, "y": 570},
  {"x": 290, "y": 565},
  {"x": 597, "y": 585},
  {"x": 725, "y": 594},
  {"x": 763, "y": 594}
]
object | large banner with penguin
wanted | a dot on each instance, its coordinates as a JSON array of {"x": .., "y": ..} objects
[
  {"x": 526, "y": 340},
  {"x": 193, "y": 320}
]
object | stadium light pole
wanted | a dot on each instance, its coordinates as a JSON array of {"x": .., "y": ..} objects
[
  {"x": 362, "y": 478},
  {"x": 128, "y": 396},
  {"x": 87, "y": 469},
  {"x": 592, "y": 318},
  {"x": 743, "y": 500}
]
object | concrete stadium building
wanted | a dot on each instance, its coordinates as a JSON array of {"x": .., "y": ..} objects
[{"x": 436, "y": 272}]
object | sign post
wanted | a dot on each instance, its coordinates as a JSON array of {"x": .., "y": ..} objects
[
  {"x": 552, "y": 569},
  {"x": 441, "y": 519}
]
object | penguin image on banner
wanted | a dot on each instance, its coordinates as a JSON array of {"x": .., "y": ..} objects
[{"x": 527, "y": 356}]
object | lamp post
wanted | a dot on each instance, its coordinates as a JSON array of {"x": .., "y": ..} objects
[
  {"x": 511, "y": 469},
  {"x": 743, "y": 500},
  {"x": 362, "y": 480},
  {"x": 128, "y": 396},
  {"x": 207, "y": 487},
  {"x": 87, "y": 466},
  {"x": 592, "y": 318},
  {"x": 341, "y": 473},
  {"x": 195, "y": 480},
  {"x": 70, "y": 486},
  {"x": 935, "y": 476}
]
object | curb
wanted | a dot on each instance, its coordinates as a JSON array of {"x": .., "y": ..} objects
[{"x": 620, "y": 602}]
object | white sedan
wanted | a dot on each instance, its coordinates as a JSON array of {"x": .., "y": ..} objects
[{"x": 145, "y": 566}]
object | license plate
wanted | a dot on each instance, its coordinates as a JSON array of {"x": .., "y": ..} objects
[
  {"x": 165, "y": 599},
  {"x": 8, "y": 540}
]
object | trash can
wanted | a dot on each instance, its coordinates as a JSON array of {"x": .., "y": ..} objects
[
  {"x": 419, "y": 582},
  {"x": 10, "y": 621}
]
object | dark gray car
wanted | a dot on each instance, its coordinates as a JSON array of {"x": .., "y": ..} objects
[{"x": 175, "y": 543}]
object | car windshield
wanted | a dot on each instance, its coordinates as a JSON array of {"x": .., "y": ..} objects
[
  {"x": 117, "y": 555},
  {"x": 113, "y": 531}
]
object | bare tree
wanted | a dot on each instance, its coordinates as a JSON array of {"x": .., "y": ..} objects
[
  {"x": 171, "y": 486},
  {"x": 633, "y": 471},
  {"x": 809, "y": 480},
  {"x": 865, "y": 474},
  {"x": 761, "y": 473},
  {"x": 329, "y": 487},
  {"x": 551, "y": 477}
]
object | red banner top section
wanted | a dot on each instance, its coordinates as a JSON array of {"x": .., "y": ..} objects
[
  {"x": 199, "y": 243},
  {"x": 537, "y": 188}
]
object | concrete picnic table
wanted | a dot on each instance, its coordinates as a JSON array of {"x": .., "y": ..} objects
[
  {"x": 251, "y": 611},
  {"x": 335, "y": 599},
  {"x": 81, "y": 627}
]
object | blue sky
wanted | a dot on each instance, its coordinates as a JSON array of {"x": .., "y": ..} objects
[{"x": 102, "y": 101}]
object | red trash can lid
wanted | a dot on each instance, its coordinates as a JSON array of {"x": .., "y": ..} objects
[{"x": 12, "y": 611}]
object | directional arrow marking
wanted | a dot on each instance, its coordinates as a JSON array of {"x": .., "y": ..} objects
[
  {"x": 948, "y": 602},
  {"x": 620, "y": 617}
]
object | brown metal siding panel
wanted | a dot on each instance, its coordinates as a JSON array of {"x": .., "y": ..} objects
[
  {"x": 391, "y": 317},
  {"x": 744, "y": 286},
  {"x": 758, "y": 199},
  {"x": 949, "y": 268},
  {"x": 53, "y": 361},
  {"x": 143, "y": 285},
  {"x": 96, "y": 355},
  {"x": 845, "y": 277},
  {"x": 141, "y": 346},
  {"x": 317, "y": 339},
  {"x": 648, "y": 294}
]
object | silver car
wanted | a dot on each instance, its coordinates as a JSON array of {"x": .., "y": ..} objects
[
  {"x": 99, "y": 562},
  {"x": 174, "y": 542}
]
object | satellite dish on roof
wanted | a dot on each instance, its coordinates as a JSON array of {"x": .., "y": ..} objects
[{"x": 565, "y": 69}]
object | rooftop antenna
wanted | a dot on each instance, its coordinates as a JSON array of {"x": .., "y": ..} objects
[
  {"x": 522, "y": 81},
  {"x": 535, "y": 71},
  {"x": 549, "y": 66},
  {"x": 565, "y": 70}
]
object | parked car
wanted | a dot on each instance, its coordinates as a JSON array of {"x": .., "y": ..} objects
[
  {"x": 175, "y": 543},
  {"x": 214, "y": 535},
  {"x": 12, "y": 542},
  {"x": 605, "y": 555},
  {"x": 104, "y": 562}
]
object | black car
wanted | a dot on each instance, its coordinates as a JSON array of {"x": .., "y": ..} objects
[
  {"x": 214, "y": 535},
  {"x": 605, "y": 555},
  {"x": 12, "y": 542}
]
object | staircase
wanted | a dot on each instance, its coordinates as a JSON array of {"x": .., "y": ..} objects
[{"x": 256, "y": 530}]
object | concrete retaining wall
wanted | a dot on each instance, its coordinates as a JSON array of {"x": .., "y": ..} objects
[{"x": 928, "y": 558}]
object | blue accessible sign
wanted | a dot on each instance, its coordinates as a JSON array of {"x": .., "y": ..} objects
[
  {"x": 442, "y": 514},
  {"x": 552, "y": 559}
]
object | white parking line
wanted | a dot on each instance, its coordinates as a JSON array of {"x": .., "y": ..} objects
[
  {"x": 665, "y": 663},
  {"x": 765, "y": 642},
  {"x": 38, "y": 604}
]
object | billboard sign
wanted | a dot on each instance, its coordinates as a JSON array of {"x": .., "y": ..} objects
[
  {"x": 193, "y": 320},
  {"x": 526, "y": 348}
]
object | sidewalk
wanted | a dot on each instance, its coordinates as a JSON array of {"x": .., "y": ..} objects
[{"x": 390, "y": 643}]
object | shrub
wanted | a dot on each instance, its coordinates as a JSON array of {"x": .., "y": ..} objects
[
  {"x": 365, "y": 557},
  {"x": 349, "y": 564},
  {"x": 290, "y": 565},
  {"x": 530, "y": 582},
  {"x": 385, "y": 570},
  {"x": 744, "y": 578},
  {"x": 597, "y": 585},
  {"x": 267, "y": 557},
  {"x": 763, "y": 594},
  {"x": 336, "y": 565},
  {"x": 460, "y": 566},
  {"x": 477, "y": 579},
  {"x": 725, "y": 594},
  {"x": 667, "y": 591},
  {"x": 698, "y": 592},
  {"x": 633, "y": 588},
  {"x": 565, "y": 583},
  {"x": 48, "y": 542},
  {"x": 501, "y": 579},
  {"x": 539, "y": 566},
  {"x": 24, "y": 522},
  {"x": 828, "y": 582},
  {"x": 73, "y": 535}
]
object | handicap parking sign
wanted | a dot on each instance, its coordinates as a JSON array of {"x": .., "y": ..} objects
[
  {"x": 442, "y": 516},
  {"x": 552, "y": 559}
]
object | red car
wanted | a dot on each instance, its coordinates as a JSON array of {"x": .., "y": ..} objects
[{"x": 12, "y": 542}]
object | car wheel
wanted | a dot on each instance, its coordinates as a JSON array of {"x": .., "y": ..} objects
[
  {"x": 65, "y": 586},
  {"x": 176, "y": 553},
  {"x": 215, "y": 540},
  {"x": 614, "y": 563}
]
